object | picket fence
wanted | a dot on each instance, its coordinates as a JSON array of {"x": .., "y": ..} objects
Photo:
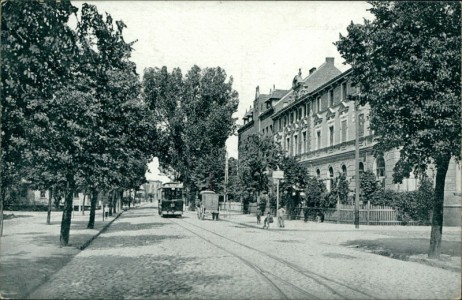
[{"x": 343, "y": 213}]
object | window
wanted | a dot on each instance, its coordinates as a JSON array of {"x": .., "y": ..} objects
[
  {"x": 380, "y": 167},
  {"x": 318, "y": 173},
  {"x": 361, "y": 125},
  {"x": 288, "y": 145},
  {"x": 42, "y": 194},
  {"x": 331, "y": 98},
  {"x": 318, "y": 135},
  {"x": 295, "y": 144},
  {"x": 318, "y": 104},
  {"x": 344, "y": 170},
  {"x": 344, "y": 130},
  {"x": 271, "y": 129},
  {"x": 304, "y": 142},
  {"x": 331, "y": 135},
  {"x": 344, "y": 91},
  {"x": 361, "y": 167},
  {"x": 331, "y": 178}
]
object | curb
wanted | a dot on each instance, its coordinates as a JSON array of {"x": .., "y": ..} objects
[
  {"x": 82, "y": 247},
  {"x": 87, "y": 243}
]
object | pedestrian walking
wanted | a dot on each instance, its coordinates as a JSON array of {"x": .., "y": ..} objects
[
  {"x": 281, "y": 213},
  {"x": 267, "y": 221},
  {"x": 258, "y": 216}
]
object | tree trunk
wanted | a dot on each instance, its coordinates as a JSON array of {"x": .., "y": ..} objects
[
  {"x": 438, "y": 205},
  {"x": 113, "y": 200},
  {"x": 94, "y": 198},
  {"x": 111, "y": 195},
  {"x": 83, "y": 204},
  {"x": 50, "y": 198},
  {"x": 119, "y": 200},
  {"x": 67, "y": 212},
  {"x": 2, "y": 197},
  {"x": 129, "y": 198}
]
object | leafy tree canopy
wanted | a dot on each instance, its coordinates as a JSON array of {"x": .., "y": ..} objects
[
  {"x": 193, "y": 114},
  {"x": 407, "y": 64}
]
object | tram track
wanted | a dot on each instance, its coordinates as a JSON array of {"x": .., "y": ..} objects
[
  {"x": 262, "y": 273},
  {"x": 335, "y": 288}
]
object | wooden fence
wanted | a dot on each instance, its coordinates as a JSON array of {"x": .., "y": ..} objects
[{"x": 343, "y": 213}]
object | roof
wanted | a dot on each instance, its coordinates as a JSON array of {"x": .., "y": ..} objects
[
  {"x": 278, "y": 94},
  {"x": 326, "y": 72}
]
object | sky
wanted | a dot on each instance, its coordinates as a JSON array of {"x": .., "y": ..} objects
[{"x": 261, "y": 43}]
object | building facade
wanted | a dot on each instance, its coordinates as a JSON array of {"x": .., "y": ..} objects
[
  {"x": 315, "y": 122},
  {"x": 151, "y": 188}
]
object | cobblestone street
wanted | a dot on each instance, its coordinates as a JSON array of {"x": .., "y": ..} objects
[{"x": 142, "y": 255}]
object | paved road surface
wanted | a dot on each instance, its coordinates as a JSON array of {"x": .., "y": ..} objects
[{"x": 145, "y": 256}]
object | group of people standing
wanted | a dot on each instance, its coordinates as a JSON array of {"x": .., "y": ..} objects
[{"x": 269, "y": 218}]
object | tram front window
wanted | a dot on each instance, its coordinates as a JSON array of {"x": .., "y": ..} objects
[{"x": 172, "y": 194}]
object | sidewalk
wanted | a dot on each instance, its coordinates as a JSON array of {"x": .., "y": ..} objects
[
  {"x": 30, "y": 251},
  {"x": 409, "y": 243}
]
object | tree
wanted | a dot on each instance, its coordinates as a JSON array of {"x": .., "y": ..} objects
[
  {"x": 233, "y": 188},
  {"x": 193, "y": 114},
  {"x": 257, "y": 156},
  {"x": 368, "y": 185},
  {"x": 316, "y": 194},
  {"x": 407, "y": 65},
  {"x": 37, "y": 51},
  {"x": 295, "y": 179},
  {"x": 123, "y": 137}
]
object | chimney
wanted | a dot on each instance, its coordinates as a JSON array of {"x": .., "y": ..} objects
[
  {"x": 274, "y": 87},
  {"x": 312, "y": 70},
  {"x": 330, "y": 60},
  {"x": 257, "y": 92},
  {"x": 300, "y": 72}
]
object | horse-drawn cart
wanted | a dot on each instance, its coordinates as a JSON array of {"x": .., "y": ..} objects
[{"x": 209, "y": 205}]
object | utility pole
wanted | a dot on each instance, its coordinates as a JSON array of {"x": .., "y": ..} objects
[
  {"x": 357, "y": 181},
  {"x": 226, "y": 182},
  {"x": 278, "y": 176}
]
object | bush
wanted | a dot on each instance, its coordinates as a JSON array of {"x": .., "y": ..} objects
[
  {"x": 26, "y": 207},
  {"x": 414, "y": 205},
  {"x": 368, "y": 186}
]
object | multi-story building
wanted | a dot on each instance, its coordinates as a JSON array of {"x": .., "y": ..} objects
[
  {"x": 151, "y": 189},
  {"x": 315, "y": 123}
]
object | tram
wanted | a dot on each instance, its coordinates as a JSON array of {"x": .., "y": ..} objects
[{"x": 171, "y": 199}]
